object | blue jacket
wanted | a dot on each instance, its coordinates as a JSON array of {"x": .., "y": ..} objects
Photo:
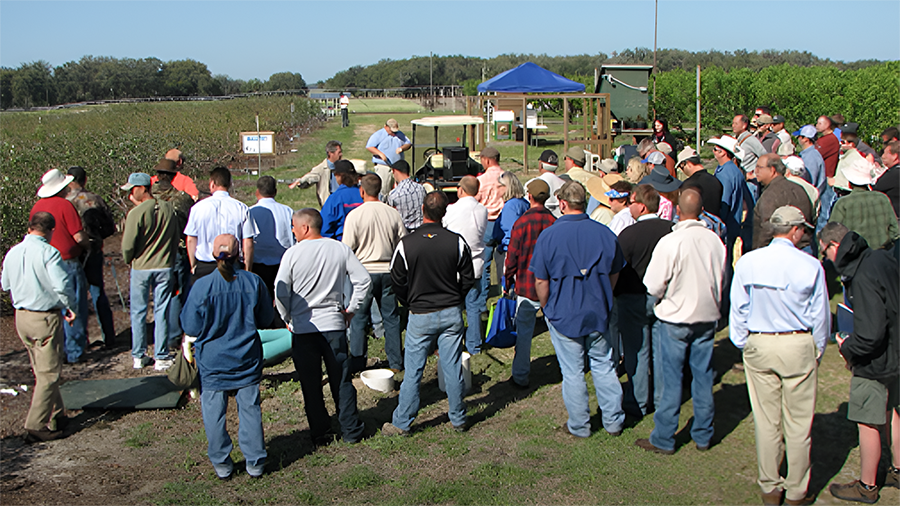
[
  {"x": 335, "y": 209},
  {"x": 224, "y": 316},
  {"x": 512, "y": 210}
]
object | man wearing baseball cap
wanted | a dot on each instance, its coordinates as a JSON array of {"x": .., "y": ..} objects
[
  {"x": 577, "y": 305},
  {"x": 522, "y": 239},
  {"x": 387, "y": 146},
  {"x": 71, "y": 240},
  {"x": 547, "y": 166},
  {"x": 764, "y": 133},
  {"x": 149, "y": 245},
  {"x": 345, "y": 199},
  {"x": 784, "y": 146},
  {"x": 783, "y": 330},
  {"x": 814, "y": 163}
]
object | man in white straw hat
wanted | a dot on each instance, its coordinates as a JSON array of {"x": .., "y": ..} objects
[
  {"x": 70, "y": 239},
  {"x": 865, "y": 212}
]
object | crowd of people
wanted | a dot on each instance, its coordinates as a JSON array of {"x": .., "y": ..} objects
[{"x": 634, "y": 264}]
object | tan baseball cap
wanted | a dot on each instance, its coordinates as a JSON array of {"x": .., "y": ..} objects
[{"x": 392, "y": 124}]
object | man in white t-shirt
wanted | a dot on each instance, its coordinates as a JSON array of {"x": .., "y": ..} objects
[
  {"x": 547, "y": 165},
  {"x": 344, "y": 104}
]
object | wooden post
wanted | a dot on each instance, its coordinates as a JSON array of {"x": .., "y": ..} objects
[
  {"x": 565, "y": 123},
  {"x": 525, "y": 135}
]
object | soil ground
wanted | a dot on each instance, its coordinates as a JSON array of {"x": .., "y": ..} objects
[{"x": 515, "y": 452}]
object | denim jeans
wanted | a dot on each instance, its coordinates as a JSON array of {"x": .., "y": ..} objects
[
  {"x": 383, "y": 294},
  {"x": 444, "y": 326},
  {"x": 76, "y": 333},
  {"x": 182, "y": 281},
  {"x": 485, "y": 275},
  {"x": 93, "y": 272},
  {"x": 526, "y": 315},
  {"x": 571, "y": 353},
  {"x": 308, "y": 352},
  {"x": 474, "y": 308},
  {"x": 640, "y": 331},
  {"x": 676, "y": 343},
  {"x": 213, "y": 404},
  {"x": 142, "y": 281}
]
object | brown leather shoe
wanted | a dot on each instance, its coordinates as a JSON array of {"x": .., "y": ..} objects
[
  {"x": 42, "y": 436},
  {"x": 773, "y": 498},
  {"x": 647, "y": 445},
  {"x": 800, "y": 502}
]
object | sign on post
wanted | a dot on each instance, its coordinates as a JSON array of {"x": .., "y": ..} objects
[{"x": 262, "y": 143}]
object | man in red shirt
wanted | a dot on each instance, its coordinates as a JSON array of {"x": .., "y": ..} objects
[
  {"x": 522, "y": 239},
  {"x": 180, "y": 181},
  {"x": 828, "y": 146},
  {"x": 70, "y": 239}
]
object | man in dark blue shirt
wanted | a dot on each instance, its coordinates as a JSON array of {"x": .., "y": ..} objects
[
  {"x": 345, "y": 199},
  {"x": 576, "y": 263}
]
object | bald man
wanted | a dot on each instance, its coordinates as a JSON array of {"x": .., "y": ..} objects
[{"x": 686, "y": 273}]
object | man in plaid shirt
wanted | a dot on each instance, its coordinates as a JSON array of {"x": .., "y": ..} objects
[
  {"x": 868, "y": 213},
  {"x": 522, "y": 239},
  {"x": 407, "y": 196}
]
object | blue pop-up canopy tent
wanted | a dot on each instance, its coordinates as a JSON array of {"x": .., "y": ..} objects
[{"x": 529, "y": 78}]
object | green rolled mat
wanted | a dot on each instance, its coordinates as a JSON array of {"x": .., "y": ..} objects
[{"x": 276, "y": 345}]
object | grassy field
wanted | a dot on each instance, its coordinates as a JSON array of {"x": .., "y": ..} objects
[{"x": 515, "y": 452}]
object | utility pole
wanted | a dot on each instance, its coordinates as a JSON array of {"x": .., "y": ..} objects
[
  {"x": 655, "y": 24},
  {"x": 431, "y": 79}
]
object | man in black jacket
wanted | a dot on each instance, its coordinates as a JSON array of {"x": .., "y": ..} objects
[
  {"x": 431, "y": 272},
  {"x": 872, "y": 352}
]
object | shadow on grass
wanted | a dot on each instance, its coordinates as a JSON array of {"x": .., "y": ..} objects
[
  {"x": 286, "y": 449},
  {"x": 833, "y": 436}
]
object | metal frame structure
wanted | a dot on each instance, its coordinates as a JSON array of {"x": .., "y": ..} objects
[{"x": 596, "y": 131}]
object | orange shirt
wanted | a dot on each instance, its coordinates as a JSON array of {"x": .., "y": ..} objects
[{"x": 181, "y": 183}]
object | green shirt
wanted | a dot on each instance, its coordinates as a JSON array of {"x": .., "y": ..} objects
[
  {"x": 869, "y": 214},
  {"x": 151, "y": 236}
]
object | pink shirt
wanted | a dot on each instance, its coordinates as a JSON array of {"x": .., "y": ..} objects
[
  {"x": 665, "y": 208},
  {"x": 490, "y": 193}
]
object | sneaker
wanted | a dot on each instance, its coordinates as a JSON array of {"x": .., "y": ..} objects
[
  {"x": 390, "y": 430},
  {"x": 854, "y": 491},
  {"x": 892, "y": 478},
  {"x": 805, "y": 501},
  {"x": 461, "y": 428},
  {"x": 163, "y": 364},
  {"x": 142, "y": 362},
  {"x": 647, "y": 445},
  {"x": 772, "y": 498}
]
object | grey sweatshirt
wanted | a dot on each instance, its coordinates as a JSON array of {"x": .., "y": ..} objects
[{"x": 309, "y": 286}]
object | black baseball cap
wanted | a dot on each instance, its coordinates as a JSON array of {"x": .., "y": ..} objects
[{"x": 549, "y": 157}]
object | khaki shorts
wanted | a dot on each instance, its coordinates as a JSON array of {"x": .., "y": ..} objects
[{"x": 871, "y": 399}]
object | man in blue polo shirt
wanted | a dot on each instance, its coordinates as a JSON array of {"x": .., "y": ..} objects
[
  {"x": 345, "y": 199},
  {"x": 576, "y": 263},
  {"x": 387, "y": 146}
]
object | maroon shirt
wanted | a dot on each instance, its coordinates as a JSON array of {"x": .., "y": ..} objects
[
  {"x": 830, "y": 149},
  {"x": 522, "y": 239}
]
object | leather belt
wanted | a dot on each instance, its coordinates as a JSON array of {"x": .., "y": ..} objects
[{"x": 788, "y": 333}]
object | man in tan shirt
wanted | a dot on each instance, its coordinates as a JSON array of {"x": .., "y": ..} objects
[{"x": 372, "y": 231}]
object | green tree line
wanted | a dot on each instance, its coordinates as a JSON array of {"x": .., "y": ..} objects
[
  {"x": 468, "y": 71},
  {"x": 103, "y": 78}
]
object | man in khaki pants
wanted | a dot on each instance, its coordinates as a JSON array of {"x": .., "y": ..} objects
[
  {"x": 34, "y": 275},
  {"x": 780, "y": 317}
]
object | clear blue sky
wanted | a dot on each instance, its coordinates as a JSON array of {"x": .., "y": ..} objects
[{"x": 317, "y": 39}]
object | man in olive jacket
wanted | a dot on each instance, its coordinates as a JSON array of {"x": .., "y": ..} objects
[{"x": 872, "y": 352}]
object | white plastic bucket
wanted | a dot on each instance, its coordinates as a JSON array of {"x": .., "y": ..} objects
[
  {"x": 467, "y": 373},
  {"x": 378, "y": 379}
]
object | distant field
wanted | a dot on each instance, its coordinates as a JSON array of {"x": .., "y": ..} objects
[{"x": 366, "y": 105}]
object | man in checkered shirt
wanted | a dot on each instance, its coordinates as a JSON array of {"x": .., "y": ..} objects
[{"x": 407, "y": 196}]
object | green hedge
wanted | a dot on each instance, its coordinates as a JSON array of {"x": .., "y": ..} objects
[{"x": 868, "y": 96}]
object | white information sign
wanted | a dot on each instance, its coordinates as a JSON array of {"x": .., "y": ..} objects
[{"x": 258, "y": 144}]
